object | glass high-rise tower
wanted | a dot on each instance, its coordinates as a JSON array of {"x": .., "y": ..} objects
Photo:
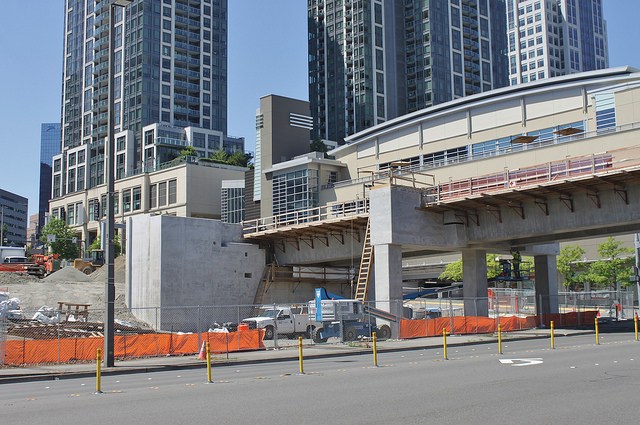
[
  {"x": 49, "y": 147},
  {"x": 170, "y": 67},
  {"x": 547, "y": 39},
  {"x": 374, "y": 60}
]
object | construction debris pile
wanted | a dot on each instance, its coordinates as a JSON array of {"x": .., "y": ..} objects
[{"x": 65, "y": 304}]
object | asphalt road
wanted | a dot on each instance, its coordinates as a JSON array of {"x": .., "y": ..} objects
[{"x": 577, "y": 383}]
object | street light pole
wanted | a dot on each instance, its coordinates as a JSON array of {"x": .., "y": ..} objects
[{"x": 110, "y": 291}]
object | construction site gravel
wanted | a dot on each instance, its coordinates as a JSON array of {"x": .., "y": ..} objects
[{"x": 70, "y": 286}]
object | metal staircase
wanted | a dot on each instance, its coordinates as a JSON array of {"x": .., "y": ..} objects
[{"x": 366, "y": 261}]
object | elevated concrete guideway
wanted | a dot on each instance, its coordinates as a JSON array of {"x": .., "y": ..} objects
[
  {"x": 329, "y": 234},
  {"x": 571, "y": 198},
  {"x": 528, "y": 209}
]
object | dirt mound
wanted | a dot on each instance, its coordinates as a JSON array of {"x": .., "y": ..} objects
[
  {"x": 119, "y": 268},
  {"x": 67, "y": 274},
  {"x": 8, "y": 278}
]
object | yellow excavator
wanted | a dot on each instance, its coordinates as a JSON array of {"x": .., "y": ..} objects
[{"x": 89, "y": 265}]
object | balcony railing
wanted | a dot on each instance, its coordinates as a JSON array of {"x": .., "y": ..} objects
[
  {"x": 353, "y": 208},
  {"x": 521, "y": 178}
]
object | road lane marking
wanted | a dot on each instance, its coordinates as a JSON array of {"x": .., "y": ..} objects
[{"x": 522, "y": 362}]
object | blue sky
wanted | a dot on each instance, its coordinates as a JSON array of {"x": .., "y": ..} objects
[{"x": 267, "y": 54}]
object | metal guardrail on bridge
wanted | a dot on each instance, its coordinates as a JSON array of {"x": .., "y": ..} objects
[
  {"x": 521, "y": 178},
  {"x": 335, "y": 211}
]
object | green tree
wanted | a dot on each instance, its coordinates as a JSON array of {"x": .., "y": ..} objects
[
  {"x": 240, "y": 159},
  {"x": 63, "y": 244},
  {"x": 219, "y": 156},
  {"x": 453, "y": 271},
  {"x": 567, "y": 267},
  {"x": 614, "y": 265},
  {"x": 188, "y": 151},
  {"x": 97, "y": 244},
  {"x": 318, "y": 145}
]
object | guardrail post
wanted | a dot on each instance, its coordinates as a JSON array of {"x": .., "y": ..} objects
[
  {"x": 635, "y": 324},
  {"x": 98, "y": 371},
  {"x": 300, "y": 359},
  {"x": 499, "y": 338},
  {"x": 375, "y": 349},
  {"x": 209, "y": 381},
  {"x": 597, "y": 332},
  {"x": 553, "y": 342},
  {"x": 444, "y": 343}
]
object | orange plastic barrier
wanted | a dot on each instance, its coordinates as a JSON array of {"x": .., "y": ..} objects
[
  {"x": 145, "y": 345},
  {"x": 461, "y": 325}
]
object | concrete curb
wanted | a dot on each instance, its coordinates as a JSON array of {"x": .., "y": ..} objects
[{"x": 7, "y": 378}]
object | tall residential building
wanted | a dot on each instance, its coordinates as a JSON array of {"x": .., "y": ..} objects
[
  {"x": 49, "y": 147},
  {"x": 374, "y": 60},
  {"x": 551, "y": 38},
  {"x": 169, "y": 79},
  {"x": 13, "y": 218},
  {"x": 170, "y": 67},
  {"x": 283, "y": 127}
]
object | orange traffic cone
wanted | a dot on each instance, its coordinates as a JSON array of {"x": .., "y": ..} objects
[{"x": 203, "y": 351}]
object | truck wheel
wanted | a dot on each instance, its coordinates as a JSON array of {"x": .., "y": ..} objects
[
  {"x": 384, "y": 332},
  {"x": 268, "y": 332},
  {"x": 87, "y": 270},
  {"x": 309, "y": 333},
  {"x": 316, "y": 336},
  {"x": 350, "y": 334}
]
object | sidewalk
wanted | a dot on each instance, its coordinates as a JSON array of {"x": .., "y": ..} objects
[{"x": 157, "y": 364}]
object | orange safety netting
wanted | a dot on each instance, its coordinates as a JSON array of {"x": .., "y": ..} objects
[
  {"x": 476, "y": 325},
  {"x": 145, "y": 345}
]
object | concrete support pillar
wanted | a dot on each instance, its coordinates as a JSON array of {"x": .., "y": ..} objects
[
  {"x": 546, "y": 284},
  {"x": 388, "y": 274},
  {"x": 474, "y": 270}
]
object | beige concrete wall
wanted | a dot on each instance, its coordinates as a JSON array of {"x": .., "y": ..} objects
[
  {"x": 490, "y": 120},
  {"x": 202, "y": 188},
  {"x": 197, "y": 195},
  {"x": 628, "y": 106}
]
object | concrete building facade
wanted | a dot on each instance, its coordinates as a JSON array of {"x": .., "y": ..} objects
[
  {"x": 13, "y": 218},
  {"x": 186, "y": 187},
  {"x": 550, "y": 123},
  {"x": 232, "y": 198},
  {"x": 283, "y": 128},
  {"x": 163, "y": 278},
  {"x": 169, "y": 77}
]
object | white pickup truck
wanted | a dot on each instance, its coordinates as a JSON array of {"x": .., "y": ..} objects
[{"x": 283, "y": 321}]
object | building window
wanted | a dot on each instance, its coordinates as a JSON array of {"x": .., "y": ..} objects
[
  {"x": 103, "y": 203},
  {"x": 126, "y": 200},
  {"x": 295, "y": 191},
  {"x": 137, "y": 198},
  {"x": 71, "y": 217},
  {"x": 71, "y": 177},
  {"x": 153, "y": 196},
  {"x": 94, "y": 210},
  {"x": 80, "y": 178},
  {"x": 199, "y": 140},
  {"x": 162, "y": 194},
  {"x": 172, "y": 191}
]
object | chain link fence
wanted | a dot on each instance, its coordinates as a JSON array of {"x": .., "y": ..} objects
[{"x": 73, "y": 333}]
